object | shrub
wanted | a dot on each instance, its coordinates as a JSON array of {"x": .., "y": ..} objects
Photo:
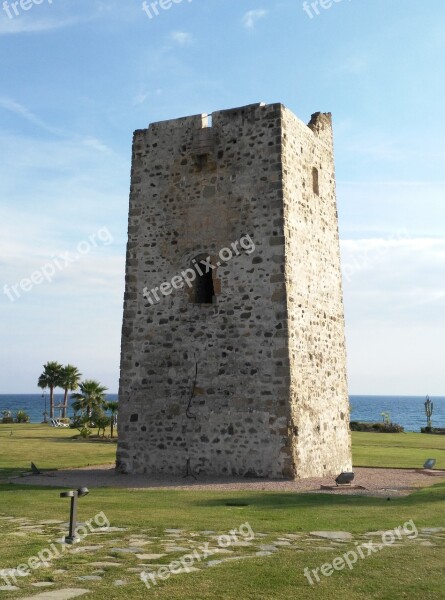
[
  {"x": 433, "y": 430},
  {"x": 7, "y": 417},
  {"x": 22, "y": 417},
  {"x": 85, "y": 432},
  {"x": 376, "y": 427},
  {"x": 79, "y": 422}
]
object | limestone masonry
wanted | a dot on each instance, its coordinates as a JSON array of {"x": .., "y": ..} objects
[{"x": 236, "y": 364}]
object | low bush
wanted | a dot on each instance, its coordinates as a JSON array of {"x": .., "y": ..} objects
[
  {"x": 433, "y": 430},
  {"x": 376, "y": 427},
  {"x": 22, "y": 417},
  {"x": 7, "y": 417}
]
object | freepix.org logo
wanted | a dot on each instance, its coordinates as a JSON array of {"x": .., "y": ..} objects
[
  {"x": 14, "y": 9},
  {"x": 200, "y": 268}
]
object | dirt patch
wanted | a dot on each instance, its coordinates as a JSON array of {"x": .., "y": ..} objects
[{"x": 376, "y": 482}]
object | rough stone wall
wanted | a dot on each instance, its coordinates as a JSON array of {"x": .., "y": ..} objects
[
  {"x": 318, "y": 391},
  {"x": 217, "y": 388}
]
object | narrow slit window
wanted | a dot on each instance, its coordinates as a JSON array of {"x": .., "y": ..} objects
[
  {"x": 315, "y": 182},
  {"x": 204, "y": 288}
]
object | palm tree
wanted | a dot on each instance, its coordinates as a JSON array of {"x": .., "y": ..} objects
[
  {"x": 69, "y": 381},
  {"x": 113, "y": 407},
  {"x": 92, "y": 395},
  {"x": 50, "y": 378}
]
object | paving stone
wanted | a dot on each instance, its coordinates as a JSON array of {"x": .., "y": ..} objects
[
  {"x": 89, "y": 578},
  {"x": 149, "y": 556},
  {"x": 41, "y": 584},
  {"x": 140, "y": 543},
  {"x": 212, "y": 563},
  {"x": 177, "y": 549},
  {"x": 105, "y": 564},
  {"x": 426, "y": 543},
  {"x": 50, "y": 522},
  {"x": 130, "y": 550},
  {"x": 220, "y": 551},
  {"x": 173, "y": 531},
  {"x": 241, "y": 544},
  {"x": 429, "y": 530},
  {"x": 135, "y": 569},
  {"x": 119, "y": 582},
  {"x": 332, "y": 535},
  {"x": 282, "y": 543},
  {"x": 109, "y": 529},
  {"x": 81, "y": 549},
  {"x": 268, "y": 548},
  {"x": 8, "y": 588},
  {"x": 63, "y": 594},
  {"x": 264, "y": 553}
]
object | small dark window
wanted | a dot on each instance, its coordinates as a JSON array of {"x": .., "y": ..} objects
[
  {"x": 204, "y": 290},
  {"x": 315, "y": 184}
]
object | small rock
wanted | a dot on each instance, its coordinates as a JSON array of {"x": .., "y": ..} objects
[{"x": 332, "y": 535}]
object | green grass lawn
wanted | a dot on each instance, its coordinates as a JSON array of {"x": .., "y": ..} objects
[
  {"x": 403, "y": 450},
  {"x": 49, "y": 448},
  {"x": 407, "y": 571}
]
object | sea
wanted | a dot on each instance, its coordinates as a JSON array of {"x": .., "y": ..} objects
[
  {"x": 34, "y": 404},
  {"x": 407, "y": 411}
]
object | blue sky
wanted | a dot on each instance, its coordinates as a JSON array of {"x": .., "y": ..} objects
[{"x": 77, "y": 77}]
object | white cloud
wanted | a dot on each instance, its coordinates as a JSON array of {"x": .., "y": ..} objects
[
  {"x": 391, "y": 279},
  {"x": 182, "y": 38},
  {"x": 20, "y": 110},
  {"x": 23, "y": 25},
  {"x": 95, "y": 144},
  {"x": 252, "y": 16},
  {"x": 142, "y": 96}
]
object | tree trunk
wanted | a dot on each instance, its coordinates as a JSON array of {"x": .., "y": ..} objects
[
  {"x": 51, "y": 402},
  {"x": 65, "y": 404}
]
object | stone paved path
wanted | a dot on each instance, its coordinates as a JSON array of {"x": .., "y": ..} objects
[{"x": 124, "y": 554}]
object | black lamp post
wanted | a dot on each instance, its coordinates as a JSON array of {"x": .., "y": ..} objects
[{"x": 71, "y": 538}]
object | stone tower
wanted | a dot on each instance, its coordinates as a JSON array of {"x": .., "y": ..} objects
[{"x": 233, "y": 349}]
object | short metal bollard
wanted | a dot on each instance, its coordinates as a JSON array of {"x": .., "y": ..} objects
[{"x": 71, "y": 538}]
